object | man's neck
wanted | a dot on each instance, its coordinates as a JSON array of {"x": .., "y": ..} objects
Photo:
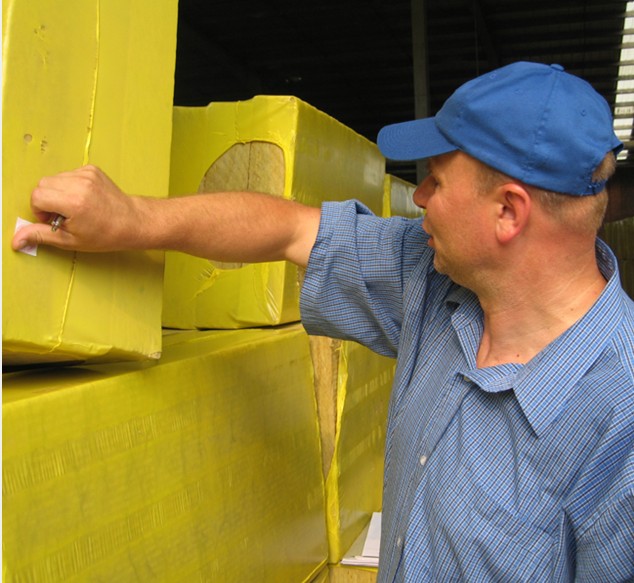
[{"x": 520, "y": 324}]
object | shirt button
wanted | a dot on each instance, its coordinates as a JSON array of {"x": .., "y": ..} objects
[
  {"x": 423, "y": 460},
  {"x": 399, "y": 542}
]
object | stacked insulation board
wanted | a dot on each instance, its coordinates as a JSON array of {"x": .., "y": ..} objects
[
  {"x": 195, "y": 463},
  {"x": 346, "y": 574},
  {"x": 83, "y": 82},
  {"x": 276, "y": 145},
  {"x": 193, "y": 468},
  {"x": 353, "y": 388},
  {"x": 211, "y": 461},
  {"x": 284, "y": 147}
]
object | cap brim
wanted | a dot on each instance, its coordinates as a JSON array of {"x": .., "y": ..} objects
[{"x": 413, "y": 140}]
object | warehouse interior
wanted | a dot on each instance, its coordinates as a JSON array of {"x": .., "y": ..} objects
[
  {"x": 372, "y": 63},
  {"x": 170, "y": 418}
]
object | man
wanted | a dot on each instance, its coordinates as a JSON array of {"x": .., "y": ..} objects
[{"x": 510, "y": 446}]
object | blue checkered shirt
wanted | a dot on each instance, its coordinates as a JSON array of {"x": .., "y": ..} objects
[{"x": 508, "y": 473}]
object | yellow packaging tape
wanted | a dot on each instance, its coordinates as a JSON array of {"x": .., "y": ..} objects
[
  {"x": 203, "y": 466},
  {"x": 84, "y": 82},
  {"x": 274, "y": 144}
]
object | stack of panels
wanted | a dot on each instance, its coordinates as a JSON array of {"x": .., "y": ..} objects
[
  {"x": 206, "y": 464},
  {"x": 353, "y": 388},
  {"x": 276, "y": 145},
  {"x": 84, "y": 82},
  {"x": 346, "y": 574},
  {"x": 193, "y": 468}
]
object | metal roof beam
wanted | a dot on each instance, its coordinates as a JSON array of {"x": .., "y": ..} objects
[{"x": 420, "y": 57}]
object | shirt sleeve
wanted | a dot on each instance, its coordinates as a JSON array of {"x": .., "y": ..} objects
[{"x": 357, "y": 273}]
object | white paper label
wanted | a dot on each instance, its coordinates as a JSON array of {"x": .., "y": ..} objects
[{"x": 29, "y": 249}]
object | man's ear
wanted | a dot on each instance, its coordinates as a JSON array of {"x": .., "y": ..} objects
[{"x": 512, "y": 211}]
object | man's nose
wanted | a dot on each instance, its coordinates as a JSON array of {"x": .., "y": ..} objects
[{"x": 423, "y": 192}]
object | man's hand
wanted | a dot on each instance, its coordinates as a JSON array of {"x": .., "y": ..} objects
[{"x": 97, "y": 216}]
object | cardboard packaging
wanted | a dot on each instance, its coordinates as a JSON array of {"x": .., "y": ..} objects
[
  {"x": 84, "y": 82},
  {"x": 397, "y": 198},
  {"x": 273, "y": 144},
  {"x": 192, "y": 468},
  {"x": 353, "y": 386}
]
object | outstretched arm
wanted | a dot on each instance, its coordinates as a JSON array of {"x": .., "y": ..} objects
[{"x": 232, "y": 226}]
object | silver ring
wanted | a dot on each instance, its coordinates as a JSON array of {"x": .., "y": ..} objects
[{"x": 57, "y": 221}]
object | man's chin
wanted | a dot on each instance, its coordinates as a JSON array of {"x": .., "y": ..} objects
[
  {"x": 443, "y": 269},
  {"x": 438, "y": 265}
]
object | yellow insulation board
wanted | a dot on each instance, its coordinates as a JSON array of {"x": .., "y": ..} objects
[
  {"x": 322, "y": 576},
  {"x": 84, "y": 82},
  {"x": 353, "y": 391},
  {"x": 348, "y": 574},
  {"x": 397, "y": 198},
  {"x": 192, "y": 468},
  {"x": 274, "y": 144}
]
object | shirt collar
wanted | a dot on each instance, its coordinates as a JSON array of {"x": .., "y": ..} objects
[{"x": 543, "y": 385}]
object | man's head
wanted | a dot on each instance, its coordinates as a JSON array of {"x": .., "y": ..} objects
[{"x": 534, "y": 122}]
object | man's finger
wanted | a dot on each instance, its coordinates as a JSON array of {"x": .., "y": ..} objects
[
  {"x": 38, "y": 234},
  {"x": 46, "y": 201}
]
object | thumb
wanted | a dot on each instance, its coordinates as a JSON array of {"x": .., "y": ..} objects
[{"x": 36, "y": 234}]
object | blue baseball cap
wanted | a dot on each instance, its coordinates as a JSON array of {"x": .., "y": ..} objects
[{"x": 534, "y": 122}]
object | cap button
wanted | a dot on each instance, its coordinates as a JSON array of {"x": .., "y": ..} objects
[{"x": 557, "y": 67}]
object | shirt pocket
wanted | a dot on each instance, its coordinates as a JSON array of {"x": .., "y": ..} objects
[{"x": 494, "y": 544}]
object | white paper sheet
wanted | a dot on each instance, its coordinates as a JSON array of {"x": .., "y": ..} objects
[{"x": 371, "y": 541}]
